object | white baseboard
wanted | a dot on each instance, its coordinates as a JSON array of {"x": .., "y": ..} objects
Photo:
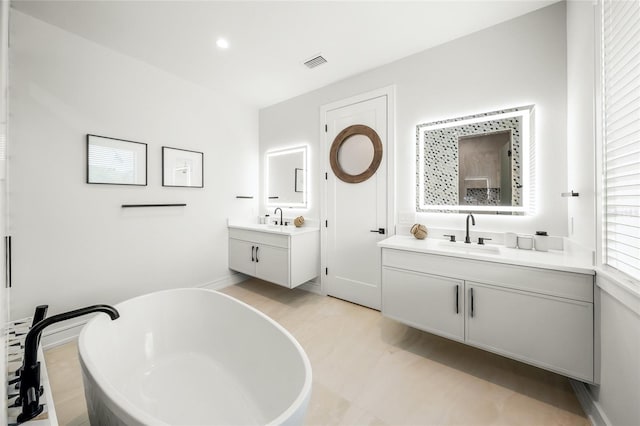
[
  {"x": 312, "y": 286},
  {"x": 223, "y": 282},
  {"x": 61, "y": 335},
  {"x": 68, "y": 332},
  {"x": 592, "y": 408}
]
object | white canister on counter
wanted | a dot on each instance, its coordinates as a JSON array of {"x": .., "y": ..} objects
[
  {"x": 510, "y": 240},
  {"x": 525, "y": 242},
  {"x": 541, "y": 240}
]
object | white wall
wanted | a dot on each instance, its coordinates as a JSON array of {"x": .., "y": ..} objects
[
  {"x": 519, "y": 62},
  {"x": 73, "y": 243},
  {"x": 580, "y": 122},
  {"x": 618, "y": 394}
]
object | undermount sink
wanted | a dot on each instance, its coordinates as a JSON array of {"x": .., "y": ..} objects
[
  {"x": 271, "y": 227},
  {"x": 469, "y": 248}
]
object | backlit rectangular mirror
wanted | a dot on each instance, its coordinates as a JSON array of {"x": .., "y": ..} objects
[
  {"x": 286, "y": 173},
  {"x": 479, "y": 163}
]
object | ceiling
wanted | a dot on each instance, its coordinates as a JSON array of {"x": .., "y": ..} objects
[{"x": 270, "y": 40}]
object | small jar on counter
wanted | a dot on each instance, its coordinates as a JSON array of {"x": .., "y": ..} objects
[{"x": 525, "y": 242}]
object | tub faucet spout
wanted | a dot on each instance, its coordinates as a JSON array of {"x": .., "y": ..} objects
[{"x": 30, "y": 371}]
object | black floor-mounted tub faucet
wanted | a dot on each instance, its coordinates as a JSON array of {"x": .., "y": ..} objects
[{"x": 30, "y": 370}]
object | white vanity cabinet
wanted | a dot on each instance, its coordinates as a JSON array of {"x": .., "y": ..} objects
[
  {"x": 540, "y": 316},
  {"x": 270, "y": 263},
  {"x": 283, "y": 257}
]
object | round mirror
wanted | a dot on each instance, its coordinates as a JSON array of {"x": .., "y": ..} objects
[{"x": 355, "y": 154}]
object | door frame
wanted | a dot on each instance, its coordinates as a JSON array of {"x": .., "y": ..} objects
[{"x": 389, "y": 151}]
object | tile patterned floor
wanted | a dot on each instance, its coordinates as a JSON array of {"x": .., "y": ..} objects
[{"x": 370, "y": 370}]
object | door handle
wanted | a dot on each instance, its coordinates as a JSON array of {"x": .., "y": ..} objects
[
  {"x": 379, "y": 231},
  {"x": 252, "y": 249},
  {"x": 457, "y": 299},
  {"x": 7, "y": 261},
  {"x": 257, "y": 260}
]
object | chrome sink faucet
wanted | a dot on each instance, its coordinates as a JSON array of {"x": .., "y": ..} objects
[
  {"x": 473, "y": 221},
  {"x": 276, "y": 211}
]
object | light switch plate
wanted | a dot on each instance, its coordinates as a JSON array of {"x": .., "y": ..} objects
[{"x": 407, "y": 218}]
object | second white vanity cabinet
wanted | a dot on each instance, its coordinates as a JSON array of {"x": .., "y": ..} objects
[
  {"x": 286, "y": 256},
  {"x": 267, "y": 262},
  {"x": 540, "y": 316}
]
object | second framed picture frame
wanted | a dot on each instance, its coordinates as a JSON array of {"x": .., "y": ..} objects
[{"x": 182, "y": 168}]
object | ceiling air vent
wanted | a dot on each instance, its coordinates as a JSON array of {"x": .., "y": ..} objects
[{"x": 314, "y": 62}]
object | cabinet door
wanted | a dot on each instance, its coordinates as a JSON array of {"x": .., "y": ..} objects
[
  {"x": 241, "y": 256},
  {"x": 551, "y": 332},
  {"x": 272, "y": 264},
  {"x": 428, "y": 302}
]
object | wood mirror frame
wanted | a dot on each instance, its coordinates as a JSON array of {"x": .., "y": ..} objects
[{"x": 356, "y": 129}]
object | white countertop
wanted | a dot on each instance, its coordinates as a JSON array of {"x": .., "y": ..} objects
[
  {"x": 273, "y": 229},
  {"x": 579, "y": 262}
]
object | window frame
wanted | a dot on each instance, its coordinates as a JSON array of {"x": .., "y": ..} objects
[{"x": 600, "y": 157}]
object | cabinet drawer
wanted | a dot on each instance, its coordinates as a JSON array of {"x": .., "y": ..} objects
[
  {"x": 549, "y": 332},
  {"x": 272, "y": 264},
  {"x": 241, "y": 256},
  {"x": 430, "y": 303},
  {"x": 260, "y": 237},
  {"x": 545, "y": 281}
]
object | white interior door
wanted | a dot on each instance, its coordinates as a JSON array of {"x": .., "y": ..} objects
[{"x": 356, "y": 211}]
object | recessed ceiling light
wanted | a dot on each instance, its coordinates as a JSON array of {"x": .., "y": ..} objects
[{"x": 222, "y": 43}]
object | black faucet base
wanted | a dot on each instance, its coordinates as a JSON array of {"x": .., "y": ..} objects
[
  {"x": 30, "y": 396},
  {"x": 25, "y": 417}
]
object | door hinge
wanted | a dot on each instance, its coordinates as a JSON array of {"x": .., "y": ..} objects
[
  {"x": 326, "y": 128},
  {"x": 326, "y": 271}
]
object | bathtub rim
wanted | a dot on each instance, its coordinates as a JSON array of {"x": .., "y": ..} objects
[{"x": 114, "y": 398}]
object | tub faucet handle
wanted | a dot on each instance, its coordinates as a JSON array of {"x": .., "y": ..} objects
[
  {"x": 481, "y": 240},
  {"x": 452, "y": 237},
  {"x": 39, "y": 314}
]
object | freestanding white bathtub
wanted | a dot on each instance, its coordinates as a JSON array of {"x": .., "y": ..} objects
[{"x": 192, "y": 357}]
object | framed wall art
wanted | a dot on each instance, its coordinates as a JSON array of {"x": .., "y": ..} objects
[
  {"x": 114, "y": 161},
  {"x": 182, "y": 168}
]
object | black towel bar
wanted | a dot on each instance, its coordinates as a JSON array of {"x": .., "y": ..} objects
[{"x": 153, "y": 205}]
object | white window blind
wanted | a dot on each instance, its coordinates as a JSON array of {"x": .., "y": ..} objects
[{"x": 621, "y": 134}]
